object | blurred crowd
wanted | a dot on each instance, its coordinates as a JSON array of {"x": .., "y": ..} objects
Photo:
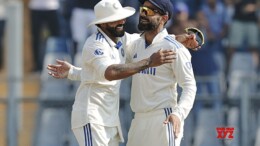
[{"x": 231, "y": 28}]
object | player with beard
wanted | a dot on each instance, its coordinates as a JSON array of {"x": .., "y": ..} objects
[
  {"x": 95, "y": 119},
  {"x": 159, "y": 116}
]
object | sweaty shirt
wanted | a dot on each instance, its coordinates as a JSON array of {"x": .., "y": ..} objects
[{"x": 155, "y": 87}]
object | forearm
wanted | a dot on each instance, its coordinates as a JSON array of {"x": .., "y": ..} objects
[
  {"x": 74, "y": 73},
  {"x": 180, "y": 38},
  {"x": 186, "y": 102},
  {"x": 120, "y": 71}
]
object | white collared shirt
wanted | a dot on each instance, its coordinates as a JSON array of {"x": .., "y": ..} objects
[
  {"x": 155, "y": 88},
  {"x": 97, "y": 99}
]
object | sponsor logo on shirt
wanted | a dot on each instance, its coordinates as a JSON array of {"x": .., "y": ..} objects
[
  {"x": 98, "y": 52},
  {"x": 150, "y": 71}
]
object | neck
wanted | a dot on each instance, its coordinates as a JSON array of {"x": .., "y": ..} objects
[
  {"x": 114, "y": 39},
  {"x": 150, "y": 35}
]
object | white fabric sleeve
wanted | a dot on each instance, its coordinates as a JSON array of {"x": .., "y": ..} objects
[
  {"x": 74, "y": 73},
  {"x": 101, "y": 64},
  {"x": 99, "y": 57},
  {"x": 183, "y": 71},
  {"x": 173, "y": 36}
]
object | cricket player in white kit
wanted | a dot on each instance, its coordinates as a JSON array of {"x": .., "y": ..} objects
[
  {"x": 95, "y": 119},
  {"x": 154, "y": 90}
]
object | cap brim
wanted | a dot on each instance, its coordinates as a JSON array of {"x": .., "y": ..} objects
[{"x": 121, "y": 14}]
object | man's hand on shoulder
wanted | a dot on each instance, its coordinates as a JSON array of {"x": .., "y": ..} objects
[{"x": 161, "y": 57}]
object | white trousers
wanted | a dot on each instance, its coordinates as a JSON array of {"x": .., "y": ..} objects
[
  {"x": 148, "y": 129},
  {"x": 97, "y": 135}
]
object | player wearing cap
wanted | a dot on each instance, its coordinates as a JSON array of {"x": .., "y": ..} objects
[
  {"x": 95, "y": 120},
  {"x": 159, "y": 116}
]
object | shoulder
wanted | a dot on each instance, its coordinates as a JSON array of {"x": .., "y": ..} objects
[
  {"x": 96, "y": 39},
  {"x": 133, "y": 36},
  {"x": 128, "y": 39},
  {"x": 136, "y": 41},
  {"x": 169, "y": 40},
  {"x": 177, "y": 46},
  {"x": 95, "y": 42}
]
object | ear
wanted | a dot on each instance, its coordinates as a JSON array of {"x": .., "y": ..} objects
[
  {"x": 165, "y": 18},
  {"x": 102, "y": 24}
]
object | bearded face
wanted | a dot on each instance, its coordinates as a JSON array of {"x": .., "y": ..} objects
[
  {"x": 116, "y": 31},
  {"x": 148, "y": 24}
]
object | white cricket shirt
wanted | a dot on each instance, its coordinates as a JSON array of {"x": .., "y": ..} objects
[
  {"x": 97, "y": 99},
  {"x": 155, "y": 88}
]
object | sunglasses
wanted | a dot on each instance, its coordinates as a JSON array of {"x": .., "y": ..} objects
[
  {"x": 149, "y": 11},
  {"x": 198, "y": 33}
]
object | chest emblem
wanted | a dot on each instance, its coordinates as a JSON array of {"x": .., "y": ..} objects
[{"x": 98, "y": 52}]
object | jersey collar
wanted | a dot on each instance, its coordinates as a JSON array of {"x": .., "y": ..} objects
[
  {"x": 158, "y": 37},
  {"x": 109, "y": 41}
]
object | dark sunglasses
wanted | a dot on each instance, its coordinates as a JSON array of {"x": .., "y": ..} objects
[
  {"x": 149, "y": 11},
  {"x": 198, "y": 33}
]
